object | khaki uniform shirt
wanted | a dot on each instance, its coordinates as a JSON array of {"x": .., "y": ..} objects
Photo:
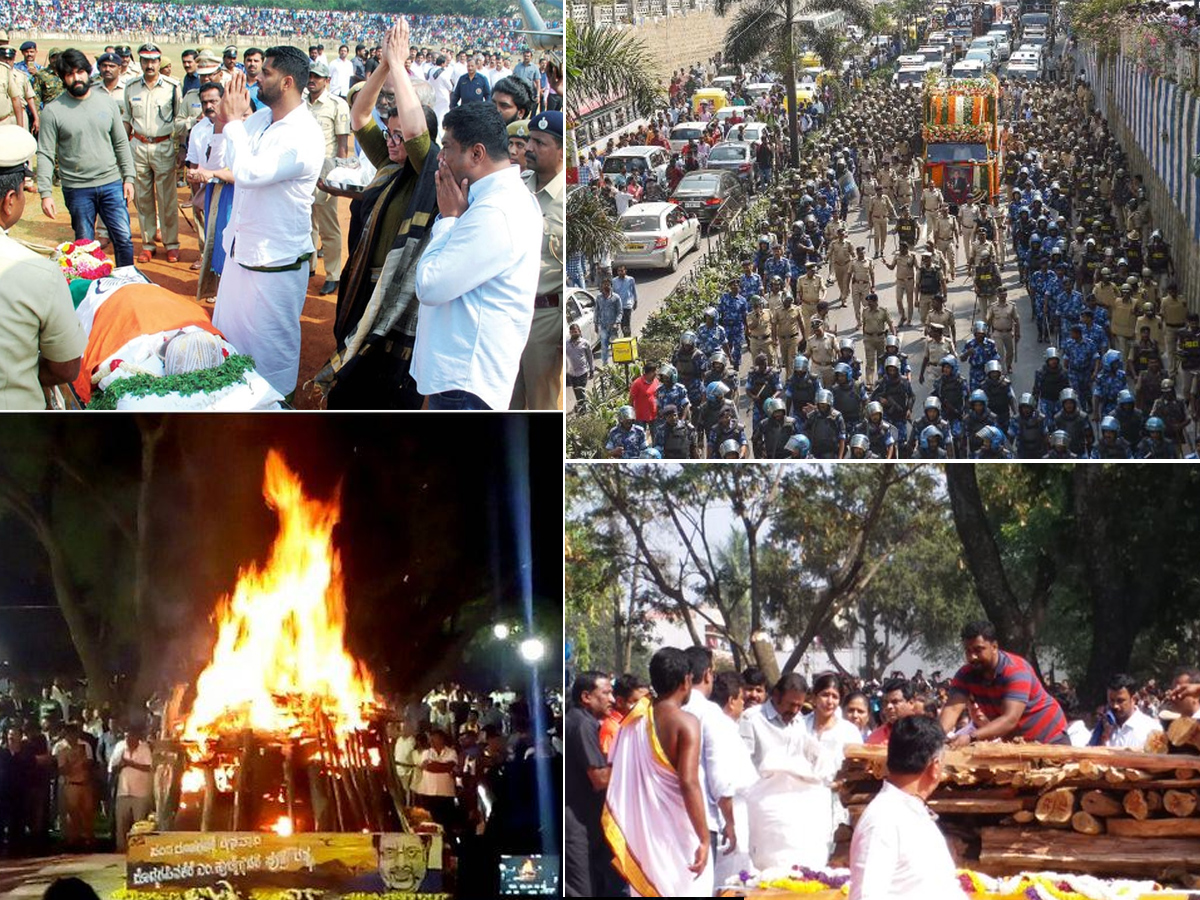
[
  {"x": 789, "y": 322},
  {"x": 550, "y": 199},
  {"x": 822, "y": 350},
  {"x": 1124, "y": 314},
  {"x": 1174, "y": 311},
  {"x": 881, "y": 208},
  {"x": 37, "y": 317},
  {"x": 12, "y": 94},
  {"x": 333, "y": 115},
  {"x": 876, "y": 322},
  {"x": 1155, "y": 324},
  {"x": 943, "y": 317},
  {"x": 811, "y": 289},
  {"x": 154, "y": 111},
  {"x": 758, "y": 324},
  {"x": 840, "y": 253},
  {"x": 945, "y": 228},
  {"x": 931, "y": 200},
  {"x": 906, "y": 266},
  {"x": 1106, "y": 294},
  {"x": 1001, "y": 316},
  {"x": 862, "y": 273},
  {"x": 936, "y": 350},
  {"x": 192, "y": 109}
]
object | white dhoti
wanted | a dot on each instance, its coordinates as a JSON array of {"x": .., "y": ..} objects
[
  {"x": 259, "y": 313},
  {"x": 645, "y": 821}
]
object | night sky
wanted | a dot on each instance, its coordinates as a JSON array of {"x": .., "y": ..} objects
[{"x": 427, "y": 532}]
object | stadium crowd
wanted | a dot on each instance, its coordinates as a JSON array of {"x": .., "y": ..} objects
[{"x": 197, "y": 21}]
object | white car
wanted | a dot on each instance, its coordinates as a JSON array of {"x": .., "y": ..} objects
[
  {"x": 911, "y": 78},
  {"x": 657, "y": 235},
  {"x": 982, "y": 55},
  {"x": 972, "y": 68},
  {"x": 1003, "y": 47},
  {"x": 911, "y": 61},
  {"x": 581, "y": 311},
  {"x": 635, "y": 160},
  {"x": 684, "y": 132},
  {"x": 932, "y": 53},
  {"x": 1018, "y": 72},
  {"x": 724, "y": 82},
  {"x": 752, "y": 132}
]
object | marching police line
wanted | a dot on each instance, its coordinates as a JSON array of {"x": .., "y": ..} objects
[{"x": 1099, "y": 281}]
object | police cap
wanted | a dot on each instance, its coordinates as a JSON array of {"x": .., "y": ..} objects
[
  {"x": 318, "y": 70},
  {"x": 28, "y": 45},
  {"x": 149, "y": 51},
  {"x": 519, "y": 129},
  {"x": 549, "y": 122},
  {"x": 231, "y": 52},
  {"x": 17, "y": 147},
  {"x": 207, "y": 63},
  {"x": 108, "y": 58}
]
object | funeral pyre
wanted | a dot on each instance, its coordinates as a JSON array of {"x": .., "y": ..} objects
[
  {"x": 283, "y": 732},
  {"x": 1013, "y": 807}
]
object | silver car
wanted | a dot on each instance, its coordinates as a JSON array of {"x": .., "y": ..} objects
[
  {"x": 657, "y": 235},
  {"x": 737, "y": 157},
  {"x": 581, "y": 311}
]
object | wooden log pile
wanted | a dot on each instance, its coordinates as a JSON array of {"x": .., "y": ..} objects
[{"x": 1012, "y": 807}]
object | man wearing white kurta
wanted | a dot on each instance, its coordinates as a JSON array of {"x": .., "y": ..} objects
[
  {"x": 275, "y": 157},
  {"x": 897, "y": 852},
  {"x": 477, "y": 278}
]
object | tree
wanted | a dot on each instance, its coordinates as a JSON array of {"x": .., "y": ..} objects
[{"x": 771, "y": 27}]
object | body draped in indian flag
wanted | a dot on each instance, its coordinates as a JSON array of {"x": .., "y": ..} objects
[{"x": 644, "y": 819}]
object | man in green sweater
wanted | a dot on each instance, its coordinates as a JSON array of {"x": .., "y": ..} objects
[{"x": 83, "y": 129}]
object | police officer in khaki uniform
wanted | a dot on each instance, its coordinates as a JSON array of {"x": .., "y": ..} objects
[
  {"x": 877, "y": 324},
  {"x": 758, "y": 329},
  {"x": 1005, "y": 327},
  {"x": 152, "y": 111},
  {"x": 931, "y": 205},
  {"x": 938, "y": 314},
  {"x": 904, "y": 264},
  {"x": 810, "y": 291},
  {"x": 822, "y": 350},
  {"x": 937, "y": 346},
  {"x": 41, "y": 340},
  {"x": 945, "y": 238},
  {"x": 862, "y": 281},
  {"x": 841, "y": 254},
  {"x": 1124, "y": 315},
  {"x": 1105, "y": 290},
  {"x": 789, "y": 328},
  {"x": 879, "y": 212},
  {"x": 12, "y": 94},
  {"x": 1174, "y": 315},
  {"x": 333, "y": 115},
  {"x": 1152, "y": 320},
  {"x": 539, "y": 382},
  {"x": 903, "y": 189}
]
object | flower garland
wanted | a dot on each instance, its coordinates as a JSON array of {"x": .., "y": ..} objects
[
  {"x": 206, "y": 893},
  {"x": 202, "y": 381},
  {"x": 83, "y": 259},
  {"x": 966, "y": 134}
]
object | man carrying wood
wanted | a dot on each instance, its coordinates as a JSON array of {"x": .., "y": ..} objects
[{"x": 1007, "y": 691}]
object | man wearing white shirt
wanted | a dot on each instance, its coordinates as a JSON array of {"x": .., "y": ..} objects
[
  {"x": 500, "y": 70},
  {"x": 718, "y": 792},
  {"x": 478, "y": 276},
  {"x": 766, "y": 727},
  {"x": 1129, "y": 726},
  {"x": 275, "y": 157},
  {"x": 443, "y": 79},
  {"x": 341, "y": 70},
  {"x": 131, "y": 763},
  {"x": 897, "y": 852}
]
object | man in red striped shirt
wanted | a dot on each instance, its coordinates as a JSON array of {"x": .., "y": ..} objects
[{"x": 1007, "y": 691}]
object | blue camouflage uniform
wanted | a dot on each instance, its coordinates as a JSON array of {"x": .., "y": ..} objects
[
  {"x": 781, "y": 267},
  {"x": 732, "y": 310},
  {"x": 983, "y": 352},
  {"x": 1080, "y": 359},
  {"x": 1039, "y": 286},
  {"x": 1108, "y": 385},
  {"x": 1096, "y": 334},
  {"x": 823, "y": 214},
  {"x": 710, "y": 338},
  {"x": 1047, "y": 398},
  {"x": 675, "y": 394},
  {"x": 631, "y": 442},
  {"x": 1070, "y": 308},
  {"x": 749, "y": 285}
]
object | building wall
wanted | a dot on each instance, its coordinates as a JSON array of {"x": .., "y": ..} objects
[{"x": 678, "y": 41}]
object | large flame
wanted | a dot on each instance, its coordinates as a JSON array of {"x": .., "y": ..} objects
[{"x": 280, "y": 657}]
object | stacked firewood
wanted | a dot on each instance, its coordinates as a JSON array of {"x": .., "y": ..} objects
[{"x": 1011, "y": 807}]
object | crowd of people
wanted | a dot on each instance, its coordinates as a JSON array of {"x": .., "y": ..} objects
[
  {"x": 1095, "y": 281},
  {"x": 453, "y": 160},
  {"x": 194, "y": 22},
  {"x": 754, "y": 764},
  {"x": 77, "y": 777}
]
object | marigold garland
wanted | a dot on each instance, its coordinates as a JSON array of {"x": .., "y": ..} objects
[{"x": 203, "y": 381}]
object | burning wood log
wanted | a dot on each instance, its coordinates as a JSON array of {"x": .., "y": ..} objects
[
  {"x": 210, "y": 799},
  {"x": 1101, "y": 804}
]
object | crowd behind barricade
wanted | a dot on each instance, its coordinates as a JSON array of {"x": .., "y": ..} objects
[
  {"x": 77, "y": 777},
  {"x": 766, "y": 756},
  {"x": 444, "y": 157},
  {"x": 224, "y": 22},
  {"x": 1120, "y": 369}
]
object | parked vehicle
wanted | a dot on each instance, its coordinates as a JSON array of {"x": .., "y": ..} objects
[
  {"x": 657, "y": 235},
  {"x": 581, "y": 311},
  {"x": 913, "y": 77},
  {"x": 684, "y": 132},
  {"x": 636, "y": 160},
  {"x": 736, "y": 157},
  {"x": 707, "y": 192}
]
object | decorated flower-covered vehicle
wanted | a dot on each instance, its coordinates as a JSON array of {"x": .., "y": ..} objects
[{"x": 964, "y": 154}]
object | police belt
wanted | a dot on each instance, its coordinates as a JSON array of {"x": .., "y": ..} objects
[
  {"x": 154, "y": 140},
  {"x": 1173, "y": 325},
  {"x": 546, "y": 301},
  {"x": 1002, "y": 330},
  {"x": 874, "y": 333},
  {"x": 788, "y": 337}
]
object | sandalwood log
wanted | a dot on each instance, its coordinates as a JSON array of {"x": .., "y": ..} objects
[
  {"x": 1010, "y": 850},
  {"x": 1135, "y": 804},
  {"x": 1055, "y": 807},
  {"x": 1185, "y": 774},
  {"x": 1184, "y": 732},
  {"x": 1101, "y": 804},
  {"x": 1154, "y": 828},
  {"x": 1024, "y": 816},
  {"x": 982, "y": 806},
  {"x": 1154, "y": 801},
  {"x": 1156, "y": 742},
  {"x": 1086, "y": 823},
  {"x": 993, "y": 756},
  {"x": 1180, "y": 804}
]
